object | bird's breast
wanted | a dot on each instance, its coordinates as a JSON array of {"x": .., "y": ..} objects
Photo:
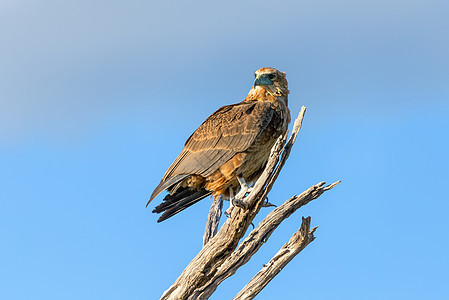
[
  {"x": 251, "y": 162},
  {"x": 258, "y": 153}
]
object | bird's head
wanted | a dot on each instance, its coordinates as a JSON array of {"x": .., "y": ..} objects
[{"x": 271, "y": 81}]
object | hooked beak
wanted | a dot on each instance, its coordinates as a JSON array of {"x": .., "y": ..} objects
[{"x": 262, "y": 80}]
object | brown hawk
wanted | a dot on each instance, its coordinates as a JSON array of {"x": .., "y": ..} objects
[{"x": 231, "y": 146}]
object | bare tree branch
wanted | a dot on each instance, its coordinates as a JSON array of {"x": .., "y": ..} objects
[
  {"x": 218, "y": 260},
  {"x": 205, "y": 264},
  {"x": 258, "y": 236},
  {"x": 296, "y": 244},
  {"x": 213, "y": 219}
]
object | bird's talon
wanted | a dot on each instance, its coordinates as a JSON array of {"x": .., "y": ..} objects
[
  {"x": 228, "y": 212},
  {"x": 268, "y": 204},
  {"x": 239, "y": 203}
]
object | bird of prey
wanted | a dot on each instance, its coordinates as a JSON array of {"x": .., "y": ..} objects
[{"x": 230, "y": 148}]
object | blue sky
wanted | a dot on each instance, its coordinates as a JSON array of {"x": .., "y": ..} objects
[{"x": 98, "y": 97}]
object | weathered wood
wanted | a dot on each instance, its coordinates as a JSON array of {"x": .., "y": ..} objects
[
  {"x": 213, "y": 219},
  {"x": 217, "y": 260},
  {"x": 296, "y": 244},
  {"x": 257, "y": 237}
]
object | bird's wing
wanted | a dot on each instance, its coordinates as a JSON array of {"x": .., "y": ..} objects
[
  {"x": 231, "y": 129},
  {"x": 228, "y": 131}
]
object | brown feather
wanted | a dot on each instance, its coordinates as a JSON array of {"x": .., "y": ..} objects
[{"x": 219, "y": 138}]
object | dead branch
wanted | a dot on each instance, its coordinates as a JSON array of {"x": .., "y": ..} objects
[
  {"x": 213, "y": 219},
  {"x": 218, "y": 260},
  {"x": 296, "y": 244},
  {"x": 258, "y": 236}
]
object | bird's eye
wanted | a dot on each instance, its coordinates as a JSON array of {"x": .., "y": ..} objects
[
  {"x": 271, "y": 76},
  {"x": 255, "y": 75}
]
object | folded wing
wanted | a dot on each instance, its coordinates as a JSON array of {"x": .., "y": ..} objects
[{"x": 228, "y": 131}]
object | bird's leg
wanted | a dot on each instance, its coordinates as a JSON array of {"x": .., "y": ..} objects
[
  {"x": 244, "y": 189},
  {"x": 231, "y": 205},
  {"x": 237, "y": 200}
]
